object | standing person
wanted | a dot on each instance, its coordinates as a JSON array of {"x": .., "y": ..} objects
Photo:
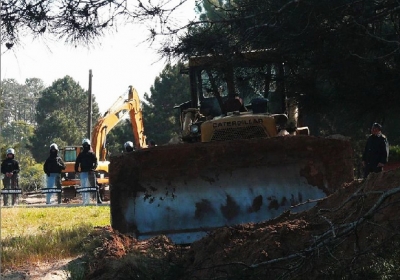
[
  {"x": 53, "y": 167},
  {"x": 10, "y": 169},
  {"x": 129, "y": 147},
  {"x": 376, "y": 151},
  {"x": 87, "y": 162}
]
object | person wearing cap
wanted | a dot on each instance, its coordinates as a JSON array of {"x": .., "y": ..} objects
[
  {"x": 10, "y": 170},
  {"x": 376, "y": 151},
  {"x": 53, "y": 167}
]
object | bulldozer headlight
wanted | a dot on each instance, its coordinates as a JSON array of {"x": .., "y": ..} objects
[{"x": 194, "y": 129}]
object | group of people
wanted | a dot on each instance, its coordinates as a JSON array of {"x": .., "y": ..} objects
[{"x": 85, "y": 164}]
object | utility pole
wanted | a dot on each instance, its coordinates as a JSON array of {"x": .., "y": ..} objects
[{"x": 89, "y": 127}]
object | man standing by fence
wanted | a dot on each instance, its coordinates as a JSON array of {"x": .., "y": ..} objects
[
  {"x": 10, "y": 169},
  {"x": 53, "y": 167}
]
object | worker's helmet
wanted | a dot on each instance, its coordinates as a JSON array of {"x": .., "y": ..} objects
[
  {"x": 377, "y": 125},
  {"x": 10, "y": 151},
  {"x": 86, "y": 142},
  {"x": 128, "y": 146},
  {"x": 54, "y": 147}
]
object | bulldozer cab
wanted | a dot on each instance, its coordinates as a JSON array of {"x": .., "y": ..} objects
[
  {"x": 241, "y": 89},
  {"x": 215, "y": 79}
]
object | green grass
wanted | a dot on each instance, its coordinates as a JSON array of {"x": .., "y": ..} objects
[{"x": 41, "y": 234}]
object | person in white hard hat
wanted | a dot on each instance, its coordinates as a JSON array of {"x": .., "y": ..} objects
[
  {"x": 10, "y": 169},
  {"x": 53, "y": 167},
  {"x": 87, "y": 162},
  {"x": 128, "y": 146}
]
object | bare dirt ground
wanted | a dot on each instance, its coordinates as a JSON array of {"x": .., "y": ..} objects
[
  {"x": 343, "y": 237},
  {"x": 55, "y": 270}
]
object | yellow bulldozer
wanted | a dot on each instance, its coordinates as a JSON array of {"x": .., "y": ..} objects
[
  {"x": 118, "y": 111},
  {"x": 243, "y": 157}
]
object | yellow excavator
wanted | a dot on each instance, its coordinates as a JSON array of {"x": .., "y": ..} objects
[
  {"x": 243, "y": 157},
  {"x": 118, "y": 111}
]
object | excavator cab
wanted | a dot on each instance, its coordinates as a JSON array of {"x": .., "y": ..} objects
[{"x": 69, "y": 155}]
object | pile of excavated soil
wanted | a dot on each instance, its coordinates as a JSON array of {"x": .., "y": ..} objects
[
  {"x": 352, "y": 234},
  {"x": 332, "y": 239}
]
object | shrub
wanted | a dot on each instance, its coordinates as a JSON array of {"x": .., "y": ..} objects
[
  {"x": 32, "y": 178},
  {"x": 394, "y": 153}
]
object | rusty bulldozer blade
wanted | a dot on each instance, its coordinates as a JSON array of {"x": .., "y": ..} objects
[{"x": 184, "y": 191}]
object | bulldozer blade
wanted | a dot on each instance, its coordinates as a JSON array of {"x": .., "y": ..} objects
[{"x": 185, "y": 191}]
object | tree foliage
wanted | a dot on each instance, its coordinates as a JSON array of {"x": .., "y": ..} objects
[
  {"x": 161, "y": 120},
  {"x": 17, "y": 117},
  {"x": 340, "y": 57},
  {"x": 18, "y": 101},
  {"x": 61, "y": 116},
  {"x": 79, "y": 21}
]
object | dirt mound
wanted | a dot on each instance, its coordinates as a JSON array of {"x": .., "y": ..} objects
[
  {"x": 119, "y": 256},
  {"x": 337, "y": 237},
  {"x": 352, "y": 234}
]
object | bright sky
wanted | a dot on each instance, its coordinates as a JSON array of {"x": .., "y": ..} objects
[{"x": 117, "y": 61}]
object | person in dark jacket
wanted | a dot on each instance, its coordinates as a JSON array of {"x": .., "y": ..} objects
[
  {"x": 376, "y": 151},
  {"x": 10, "y": 169},
  {"x": 53, "y": 167},
  {"x": 86, "y": 163}
]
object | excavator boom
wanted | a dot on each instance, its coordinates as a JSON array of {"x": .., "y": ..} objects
[
  {"x": 113, "y": 116},
  {"x": 118, "y": 111}
]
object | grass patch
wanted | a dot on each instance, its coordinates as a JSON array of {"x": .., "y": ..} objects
[{"x": 41, "y": 234}]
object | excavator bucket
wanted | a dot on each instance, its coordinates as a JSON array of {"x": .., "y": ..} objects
[{"x": 186, "y": 190}]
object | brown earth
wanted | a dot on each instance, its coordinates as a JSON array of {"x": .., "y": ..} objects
[{"x": 55, "y": 270}]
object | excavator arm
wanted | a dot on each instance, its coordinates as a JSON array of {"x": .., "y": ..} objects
[{"x": 112, "y": 117}]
